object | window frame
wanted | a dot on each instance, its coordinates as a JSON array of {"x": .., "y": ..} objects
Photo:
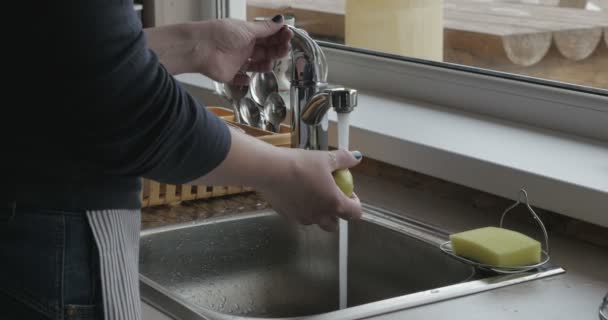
[{"x": 563, "y": 108}]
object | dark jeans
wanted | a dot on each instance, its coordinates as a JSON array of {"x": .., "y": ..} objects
[{"x": 49, "y": 265}]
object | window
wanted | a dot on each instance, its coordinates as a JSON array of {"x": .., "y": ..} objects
[
  {"x": 560, "y": 40},
  {"x": 535, "y": 62}
]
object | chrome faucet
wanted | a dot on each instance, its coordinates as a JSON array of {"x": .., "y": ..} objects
[{"x": 311, "y": 97}]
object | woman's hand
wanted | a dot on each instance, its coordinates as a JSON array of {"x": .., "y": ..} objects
[
  {"x": 307, "y": 192},
  {"x": 223, "y": 50},
  {"x": 228, "y": 48},
  {"x": 297, "y": 183}
]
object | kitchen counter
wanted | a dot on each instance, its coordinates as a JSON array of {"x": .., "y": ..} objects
[{"x": 573, "y": 295}]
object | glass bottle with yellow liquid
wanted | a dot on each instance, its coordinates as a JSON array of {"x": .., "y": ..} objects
[{"x": 411, "y": 28}]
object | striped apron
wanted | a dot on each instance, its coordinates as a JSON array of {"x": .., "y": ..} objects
[{"x": 116, "y": 233}]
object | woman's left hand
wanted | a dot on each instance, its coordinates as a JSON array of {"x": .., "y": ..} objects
[
  {"x": 224, "y": 49},
  {"x": 230, "y": 47}
]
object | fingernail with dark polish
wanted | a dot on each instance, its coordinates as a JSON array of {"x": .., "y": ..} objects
[
  {"x": 278, "y": 18},
  {"x": 357, "y": 155}
]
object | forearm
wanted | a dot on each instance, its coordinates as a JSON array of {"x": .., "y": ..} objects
[
  {"x": 175, "y": 45},
  {"x": 250, "y": 162}
]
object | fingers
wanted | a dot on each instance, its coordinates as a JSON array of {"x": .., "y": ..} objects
[
  {"x": 269, "y": 52},
  {"x": 268, "y": 49},
  {"x": 279, "y": 38},
  {"x": 329, "y": 223},
  {"x": 342, "y": 159},
  {"x": 266, "y": 28},
  {"x": 350, "y": 209},
  {"x": 273, "y": 47},
  {"x": 241, "y": 79},
  {"x": 260, "y": 66},
  {"x": 306, "y": 221}
]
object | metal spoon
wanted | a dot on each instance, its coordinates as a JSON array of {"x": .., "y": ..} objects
[
  {"x": 235, "y": 93},
  {"x": 275, "y": 112},
  {"x": 250, "y": 113},
  {"x": 263, "y": 84}
]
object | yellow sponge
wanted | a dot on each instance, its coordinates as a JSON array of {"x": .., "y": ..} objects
[{"x": 496, "y": 247}]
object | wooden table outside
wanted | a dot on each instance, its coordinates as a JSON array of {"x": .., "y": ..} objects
[{"x": 551, "y": 39}]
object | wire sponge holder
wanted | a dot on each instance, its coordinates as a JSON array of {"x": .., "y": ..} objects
[{"x": 446, "y": 247}]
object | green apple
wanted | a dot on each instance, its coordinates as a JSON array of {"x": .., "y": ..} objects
[{"x": 344, "y": 180}]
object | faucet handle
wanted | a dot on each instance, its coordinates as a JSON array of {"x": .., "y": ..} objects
[{"x": 343, "y": 100}]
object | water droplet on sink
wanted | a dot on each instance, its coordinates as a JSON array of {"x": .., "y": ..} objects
[{"x": 434, "y": 291}]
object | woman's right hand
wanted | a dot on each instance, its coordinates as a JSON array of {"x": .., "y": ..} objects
[
  {"x": 308, "y": 194},
  {"x": 297, "y": 183}
]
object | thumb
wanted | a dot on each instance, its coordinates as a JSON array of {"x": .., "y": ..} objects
[
  {"x": 266, "y": 28},
  {"x": 342, "y": 159}
]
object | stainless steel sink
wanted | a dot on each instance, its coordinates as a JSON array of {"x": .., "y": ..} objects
[{"x": 258, "y": 265}]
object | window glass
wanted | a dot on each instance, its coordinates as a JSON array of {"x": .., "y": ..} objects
[{"x": 559, "y": 40}]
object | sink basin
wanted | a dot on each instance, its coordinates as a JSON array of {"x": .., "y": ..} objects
[{"x": 258, "y": 265}]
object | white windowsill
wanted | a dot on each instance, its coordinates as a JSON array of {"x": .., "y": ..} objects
[{"x": 562, "y": 173}]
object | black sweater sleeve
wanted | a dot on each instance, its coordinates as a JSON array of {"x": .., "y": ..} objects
[
  {"x": 132, "y": 117},
  {"x": 89, "y": 110}
]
